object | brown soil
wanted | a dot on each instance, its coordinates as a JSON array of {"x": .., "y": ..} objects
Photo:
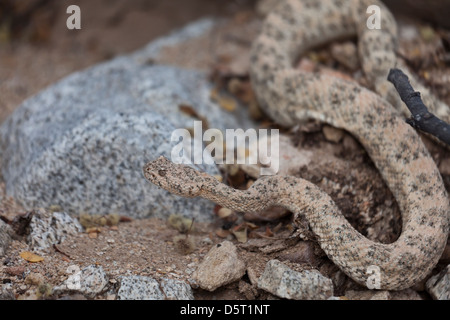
[{"x": 31, "y": 60}]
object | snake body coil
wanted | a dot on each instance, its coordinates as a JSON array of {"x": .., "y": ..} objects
[{"x": 289, "y": 95}]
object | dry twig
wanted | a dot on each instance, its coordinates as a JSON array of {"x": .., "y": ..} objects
[{"x": 421, "y": 118}]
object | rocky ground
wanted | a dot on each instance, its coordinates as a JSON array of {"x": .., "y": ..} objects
[{"x": 52, "y": 256}]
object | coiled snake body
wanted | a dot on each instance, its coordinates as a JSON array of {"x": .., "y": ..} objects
[{"x": 288, "y": 96}]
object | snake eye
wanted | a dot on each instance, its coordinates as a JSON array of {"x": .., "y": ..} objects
[{"x": 162, "y": 173}]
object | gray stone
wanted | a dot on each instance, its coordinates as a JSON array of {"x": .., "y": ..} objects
[
  {"x": 220, "y": 266},
  {"x": 82, "y": 142},
  {"x": 89, "y": 281},
  {"x": 49, "y": 228},
  {"x": 146, "y": 288},
  {"x": 284, "y": 282},
  {"x": 438, "y": 286},
  {"x": 139, "y": 288},
  {"x": 5, "y": 237},
  {"x": 93, "y": 280},
  {"x": 176, "y": 289}
]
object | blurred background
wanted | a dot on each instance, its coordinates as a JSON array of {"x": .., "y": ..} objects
[{"x": 36, "y": 48}]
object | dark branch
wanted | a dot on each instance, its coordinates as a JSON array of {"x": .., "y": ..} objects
[{"x": 421, "y": 118}]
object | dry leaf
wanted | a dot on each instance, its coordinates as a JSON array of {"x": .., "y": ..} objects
[
  {"x": 240, "y": 235},
  {"x": 224, "y": 212},
  {"x": 190, "y": 111},
  {"x": 58, "y": 249},
  {"x": 251, "y": 225},
  {"x": 93, "y": 230},
  {"x": 92, "y": 235},
  {"x": 227, "y": 103},
  {"x": 221, "y": 233},
  {"x": 125, "y": 219},
  {"x": 31, "y": 257},
  {"x": 269, "y": 232},
  {"x": 66, "y": 259}
]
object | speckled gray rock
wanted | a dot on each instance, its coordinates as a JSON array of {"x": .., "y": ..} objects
[
  {"x": 82, "y": 142},
  {"x": 93, "y": 280},
  {"x": 5, "y": 237},
  {"x": 49, "y": 228},
  {"x": 220, "y": 266},
  {"x": 146, "y": 288},
  {"x": 89, "y": 281},
  {"x": 139, "y": 288},
  {"x": 284, "y": 282},
  {"x": 438, "y": 286},
  {"x": 176, "y": 289}
]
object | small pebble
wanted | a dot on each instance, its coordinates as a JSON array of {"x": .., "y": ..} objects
[
  {"x": 220, "y": 266},
  {"x": 333, "y": 134}
]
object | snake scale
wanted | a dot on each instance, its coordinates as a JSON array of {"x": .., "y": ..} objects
[{"x": 288, "y": 95}]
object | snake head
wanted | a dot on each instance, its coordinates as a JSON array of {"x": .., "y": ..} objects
[{"x": 179, "y": 179}]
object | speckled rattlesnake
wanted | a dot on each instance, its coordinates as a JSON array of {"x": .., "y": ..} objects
[{"x": 289, "y": 95}]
